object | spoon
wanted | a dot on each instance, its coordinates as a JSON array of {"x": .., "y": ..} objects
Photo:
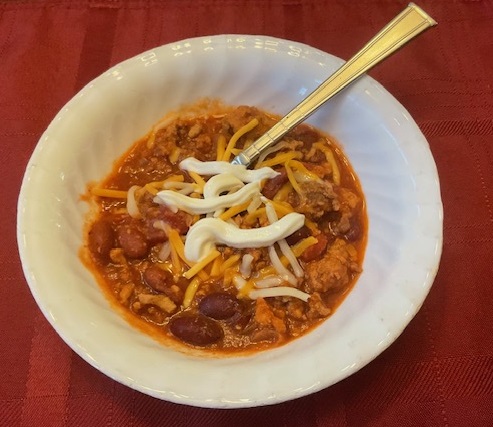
[{"x": 404, "y": 27}]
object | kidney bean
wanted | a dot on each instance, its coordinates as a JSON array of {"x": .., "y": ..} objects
[
  {"x": 306, "y": 134},
  {"x": 101, "y": 239},
  {"x": 317, "y": 250},
  {"x": 354, "y": 232},
  {"x": 178, "y": 220},
  {"x": 156, "y": 278},
  {"x": 298, "y": 235},
  {"x": 162, "y": 281},
  {"x": 273, "y": 185},
  {"x": 219, "y": 305},
  {"x": 196, "y": 329},
  {"x": 133, "y": 242}
]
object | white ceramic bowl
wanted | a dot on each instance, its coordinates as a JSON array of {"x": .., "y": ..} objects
[{"x": 386, "y": 148}]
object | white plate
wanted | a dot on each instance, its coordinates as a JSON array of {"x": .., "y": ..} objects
[{"x": 389, "y": 153}]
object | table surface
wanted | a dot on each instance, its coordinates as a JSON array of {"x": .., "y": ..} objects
[{"x": 439, "y": 372}]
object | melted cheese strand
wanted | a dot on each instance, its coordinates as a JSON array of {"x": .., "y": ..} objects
[
  {"x": 268, "y": 282},
  {"x": 246, "y": 265},
  {"x": 246, "y": 288},
  {"x": 239, "y": 281},
  {"x": 280, "y": 268},
  {"x": 285, "y": 249},
  {"x": 280, "y": 291},
  {"x": 165, "y": 251},
  {"x": 297, "y": 249}
]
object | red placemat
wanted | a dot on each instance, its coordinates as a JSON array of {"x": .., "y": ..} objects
[{"x": 438, "y": 373}]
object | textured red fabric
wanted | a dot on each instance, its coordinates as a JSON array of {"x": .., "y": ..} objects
[{"x": 439, "y": 372}]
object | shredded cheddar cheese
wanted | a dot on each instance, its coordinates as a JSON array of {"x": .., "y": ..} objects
[
  {"x": 329, "y": 155},
  {"x": 245, "y": 290},
  {"x": 297, "y": 249},
  {"x": 283, "y": 192},
  {"x": 234, "y": 210},
  {"x": 230, "y": 262},
  {"x": 175, "y": 258},
  {"x": 199, "y": 180},
  {"x": 190, "y": 292},
  {"x": 228, "y": 275},
  {"x": 196, "y": 268},
  {"x": 216, "y": 267},
  {"x": 292, "y": 179},
  {"x": 300, "y": 167},
  {"x": 238, "y": 134},
  {"x": 155, "y": 186},
  {"x": 221, "y": 147},
  {"x": 106, "y": 192},
  {"x": 281, "y": 158},
  {"x": 178, "y": 248}
]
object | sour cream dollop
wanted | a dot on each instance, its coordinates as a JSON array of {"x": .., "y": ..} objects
[
  {"x": 242, "y": 185},
  {"x": 191, "y": 164},
  {"x": 207, "y": 232},
  {"x": 206, "y": 205}
]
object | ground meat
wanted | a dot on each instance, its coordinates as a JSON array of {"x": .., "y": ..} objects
[
  {"x": 101, "y": 239},
  {"x": 166, "y": 138},
  {"x": 162, "y": 281},
  {"x": 203, "y": 143},
  {"x": 180, "y": 221},
  {"x": 305, "y": 133},
  {"x": 161, "y": 301},
  {"x": 242, "y": 115},
  {"x": 268, "y": 327},
  {"x": 346, "y": 225},
  {"x": 273, "y": 185},
  {"x": 334, "y": 270},
  {"x": 195, "y": 130},
  {"x": 296, "y": 309},
  {"x": 317, "y": 308},
  {"x": 318, "y": 198}
]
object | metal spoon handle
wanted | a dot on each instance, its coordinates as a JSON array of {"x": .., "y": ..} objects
[{"x": 404, "y": 27}]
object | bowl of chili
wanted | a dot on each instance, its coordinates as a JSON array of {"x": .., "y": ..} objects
[{"x": 381, "y": 149}]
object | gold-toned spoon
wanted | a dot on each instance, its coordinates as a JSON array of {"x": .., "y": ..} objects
[{"x": 404, "y": 27}]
